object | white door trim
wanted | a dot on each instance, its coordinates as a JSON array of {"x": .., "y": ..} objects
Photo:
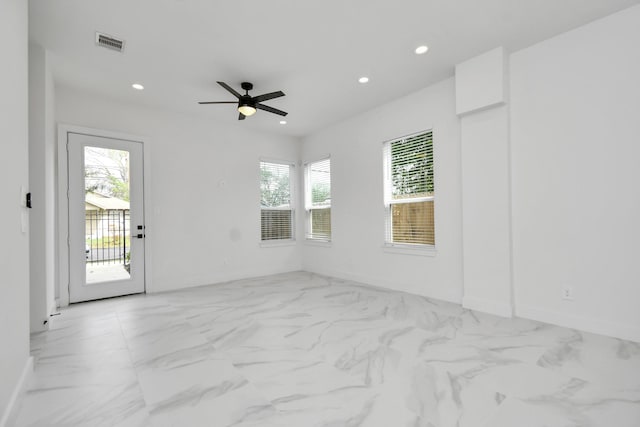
[{"x": 63, "y": 206}]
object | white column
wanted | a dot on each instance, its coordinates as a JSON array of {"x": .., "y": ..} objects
[
  {"x": 482, "y": 105},
  {"x": 42, "y": 188}
]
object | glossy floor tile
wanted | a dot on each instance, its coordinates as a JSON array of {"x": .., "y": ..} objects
[{"x": 302, "y": 350}]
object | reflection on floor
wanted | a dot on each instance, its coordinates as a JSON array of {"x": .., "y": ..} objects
[{"x": 298, "y": 350}]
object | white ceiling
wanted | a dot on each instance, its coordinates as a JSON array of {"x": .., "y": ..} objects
[{"x": 313, "y": 51}]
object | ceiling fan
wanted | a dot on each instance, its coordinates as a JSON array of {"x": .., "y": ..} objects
[{"x": 247, "y": 104}]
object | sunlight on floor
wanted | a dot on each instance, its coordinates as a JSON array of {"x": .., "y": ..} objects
[{"x": 106, "y": 273}]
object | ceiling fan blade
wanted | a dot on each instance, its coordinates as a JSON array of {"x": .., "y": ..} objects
[
  {"x": 241, "y": 116},
  {"x": 219, "y": 102},
  {"x": 271, "y": 109},
  {"x": 268, "y": 96},
  {"x": 230, "y": 89}
]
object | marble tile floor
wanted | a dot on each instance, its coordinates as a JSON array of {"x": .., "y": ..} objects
[{"x": 303, "y": 350}]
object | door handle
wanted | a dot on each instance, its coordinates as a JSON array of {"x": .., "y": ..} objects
[{"x": 140, "y": 236}]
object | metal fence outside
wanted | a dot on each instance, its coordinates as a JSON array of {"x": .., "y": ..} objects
[{"x": 107, "y": 236}]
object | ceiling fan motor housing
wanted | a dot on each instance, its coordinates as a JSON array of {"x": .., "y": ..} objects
[{"x": 246, "y": 100}]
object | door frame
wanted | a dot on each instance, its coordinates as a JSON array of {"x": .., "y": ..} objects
[{"x": 62, "y": 297}]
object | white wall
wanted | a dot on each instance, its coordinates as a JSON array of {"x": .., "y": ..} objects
[
  {"x": 42, "y": 186},
  {"x": 576, "y": 202},
  {"x": 357, "y": 209},
  {"x": 14, "y": 251},
  {"x": 570, "y": 131},
  {"x": 200, "y": 231}
]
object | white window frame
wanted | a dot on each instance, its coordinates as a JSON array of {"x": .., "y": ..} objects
[
  {"x": 389, "y": 245},
  {"x": 292, "y": 203},
  {"x": 308, "y": 205}
]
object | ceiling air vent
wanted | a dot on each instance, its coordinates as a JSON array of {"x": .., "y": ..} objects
[{"x": 109, "y": 42}]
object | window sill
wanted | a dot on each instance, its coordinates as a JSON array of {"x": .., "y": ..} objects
[
  {"x": 277, "y": 243},
  {"x": 428, "y": 251},
  {"x": 320, "y": 243}
]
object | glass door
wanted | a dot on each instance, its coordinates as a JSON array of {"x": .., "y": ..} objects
[{"x": 106, "y": 227}]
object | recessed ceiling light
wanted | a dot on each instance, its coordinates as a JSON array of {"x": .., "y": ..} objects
[
  {"x": 137, "y": 86},
  {"x": 283, "y": 122},
  {"x": 421, "y": 49},
  {"x": 363, "y": 79}
]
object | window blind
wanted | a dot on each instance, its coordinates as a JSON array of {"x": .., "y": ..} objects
[
  {"x": 409, "y": 190},
  {"x": 318, "y": 199},
  {"x": 276, "y": 212}
]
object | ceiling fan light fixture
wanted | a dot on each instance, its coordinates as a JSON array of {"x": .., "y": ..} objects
[{"x": 247, "y": 109}]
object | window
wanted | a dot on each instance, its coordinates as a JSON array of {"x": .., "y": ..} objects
[
  {"x": 276, "y": 204},
  {"x": 318, "y": 199},
  {"x": 409, "y": 190}
]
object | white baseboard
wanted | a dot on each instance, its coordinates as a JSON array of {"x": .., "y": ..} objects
[
  {"x": 487, "y": 306},
  {"x": 221, "y": 278},
  {"x": 587, "y": 324},
  {"x": 11, "y": 411},
  {"x": 40, "y": 326},
  {"x": 53, "y": 308},
  {"x": 386, "y": 284}
]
